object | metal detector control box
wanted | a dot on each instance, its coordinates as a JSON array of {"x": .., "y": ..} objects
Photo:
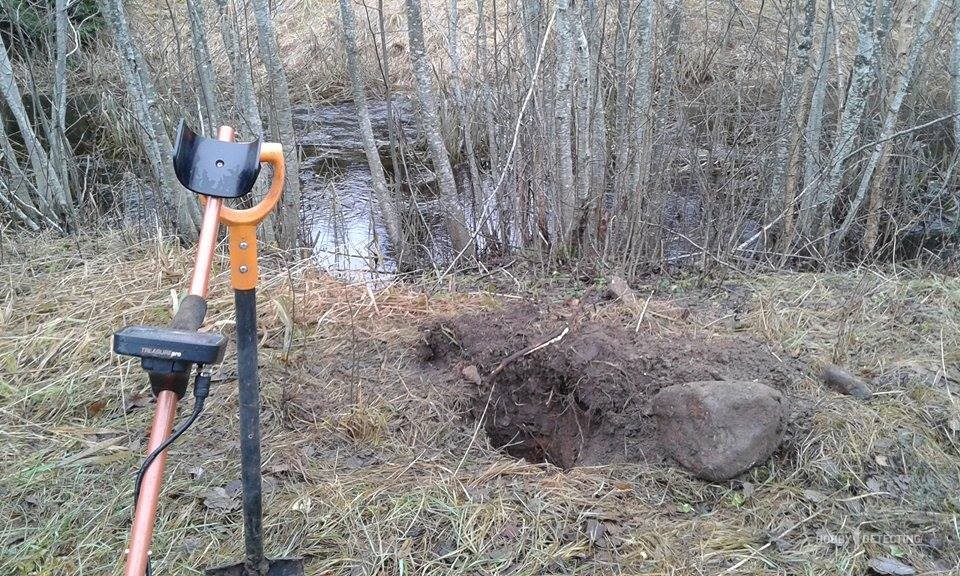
[{"x": 167, "y": 349}]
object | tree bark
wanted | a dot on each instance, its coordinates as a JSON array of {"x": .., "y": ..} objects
[
  {"x": 566, "y": 200},
  {"x": 450, "y": 206},
  {"x": 817, "y": 220},
  {"x": 388, "y": 211},
  {"x": 282, "y": 123},
  {"x": 48, "y": 183},
  {"x": 788, "y": 124},
  {"x": 245, "y": 99},
  {"x": 880, "y": 153},
  {"x": 154, "y": 140},
  {"x": 204, "y": 66},
  {"x": 582, "y": 127}
]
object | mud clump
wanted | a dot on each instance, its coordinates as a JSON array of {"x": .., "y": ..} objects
[{"x": 558, "y": 386}]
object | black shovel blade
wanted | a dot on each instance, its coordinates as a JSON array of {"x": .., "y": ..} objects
[{"x": 278, "y": 567}]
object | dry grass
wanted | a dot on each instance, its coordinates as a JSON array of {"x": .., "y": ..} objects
[{"x": 373, "y": 470}]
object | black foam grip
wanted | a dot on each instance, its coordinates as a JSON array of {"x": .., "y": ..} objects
[{"x": 191, "y": 313}]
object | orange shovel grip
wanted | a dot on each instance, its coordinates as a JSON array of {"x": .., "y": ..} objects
[{"x": 271, "y": 153}]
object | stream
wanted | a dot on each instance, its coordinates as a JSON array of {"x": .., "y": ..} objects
[{"x": 339, "y": 214}]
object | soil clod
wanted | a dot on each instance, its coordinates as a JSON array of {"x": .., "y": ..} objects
[{"x": 718, "y": 430}]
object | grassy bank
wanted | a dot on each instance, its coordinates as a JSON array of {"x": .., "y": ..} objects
[{"x": 372, "y": 466}]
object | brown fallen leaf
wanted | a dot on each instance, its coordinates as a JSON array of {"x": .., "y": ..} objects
[{"x": 95, "y": 408}]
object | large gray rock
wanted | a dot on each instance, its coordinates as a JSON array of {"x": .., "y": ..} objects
[{"x": 717, "y": 430}]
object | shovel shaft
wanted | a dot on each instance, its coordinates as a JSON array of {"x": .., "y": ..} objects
[{"x": 246, "y": 306}]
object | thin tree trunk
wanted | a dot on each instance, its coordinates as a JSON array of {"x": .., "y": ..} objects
[
  {"x": 818, "y": 219},
  {"x": 582, "y": 126},
  {"x": 155, "y": 141},
  {"x": 282, "y": 122},
  {"x": 449, "y": 202},
  {"x": 598, "y": 120},
  {"x": 564, "y": 101},
  {"x": 245, "y": 98},
  {"x": 642, "y": 106},
  {"x": 48, "y": 180},
  {"x": 204, "y": 66},
  {"x": 388, "y": 212},
  {"x": 477, "y": 189},
  {"x": 486, "y": 92},
  {"x": 813, "y": 163},
  {"x": 59, "y": 145},
  {"x": 878, "y": 157},
  {"x": 621, "y": 115},
  {"x": 788, "y": 125},
  {"x": 16, "y": 194}
]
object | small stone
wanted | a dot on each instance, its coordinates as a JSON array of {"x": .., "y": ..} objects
[
  {"x": 889, "y": 566},
  {"x": 842, "y": 381},
  {"x": 718, "y": 430},
  {"x": 619, "y": 289}
]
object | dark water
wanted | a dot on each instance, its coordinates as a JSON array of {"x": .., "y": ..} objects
[{"x": 339, "y": 213}]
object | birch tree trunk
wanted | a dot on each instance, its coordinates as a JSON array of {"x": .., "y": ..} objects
[
  {"x": 245, "y": 99},
  {"x": 154, "y": 140},
  {"x": 281, "y": 124},
  {"x": 48, "y": 183},
  {"x": 204, "y": 66},
  {"x": 598, "y": 121},
  {"x": 60, "y": 152},
  {"x": 817, "y": 220},
  {"x": 15, "y": 193},
  {"x": 388, "y": 211},
  {"x": 880, "y": 153},
  {"x": 621, "y": 122},
  {"x": 642, "y": 106},
  {"x": 583, "y": 129},
  {"x": 459, "y": 101},
  {"x": 781, "y": 194},
  {"x": 562, "y": 114},
  {"x": 449, "y": 203},
  {"x": 486, "y": 92},
  {"x": 813, "y": 133}
]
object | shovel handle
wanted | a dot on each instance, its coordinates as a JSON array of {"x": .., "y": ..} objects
[{"x": 271, "y": 153}]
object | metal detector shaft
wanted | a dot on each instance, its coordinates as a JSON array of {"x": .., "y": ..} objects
[{"x": 246, "y": 309}]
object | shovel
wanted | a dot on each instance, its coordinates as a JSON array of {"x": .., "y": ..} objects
[{"x": 216, "y": 169}]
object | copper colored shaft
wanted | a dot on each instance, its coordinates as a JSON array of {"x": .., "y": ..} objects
[
  {"x": 200, "y": 282},
  {"x": 146, "y": 513}
]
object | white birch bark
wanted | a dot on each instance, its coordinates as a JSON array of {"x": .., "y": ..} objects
[
  {"x": 59, "y": 146},
  {"x": 562, "y": 113},
  {"x": 282, "y": 124},
  {"x": 813, "y": 132},
  {"x": 882, "y": 147},
  {"x": 817, "y": 220},
  {"x": 621, "y": 123},
  {"x": 388, "y": 211},
  {"x": 459, "y": 102},
  {"x": 582, "y": 123},
  {"x": 449, "y": 202},
  {"x": 245, "y": 99},
  {"x": 642, "y": 106},
  {"x": 154, "y": 140},
  {"x": 788, "y": 121},
  {"x": 203, "y": 64},
  {"x": 45, "y": 174}
]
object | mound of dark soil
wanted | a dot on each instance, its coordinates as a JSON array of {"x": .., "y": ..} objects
[{"x": 561, "y": 387}]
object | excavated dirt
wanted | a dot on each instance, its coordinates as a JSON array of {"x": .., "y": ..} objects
[{"x": 558, "y": 386}]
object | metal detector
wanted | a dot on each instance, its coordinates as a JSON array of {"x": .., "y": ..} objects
[{"x": 217, "y": 170}]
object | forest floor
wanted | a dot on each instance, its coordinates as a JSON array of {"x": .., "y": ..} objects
[{"x": 374, "y": 461}]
